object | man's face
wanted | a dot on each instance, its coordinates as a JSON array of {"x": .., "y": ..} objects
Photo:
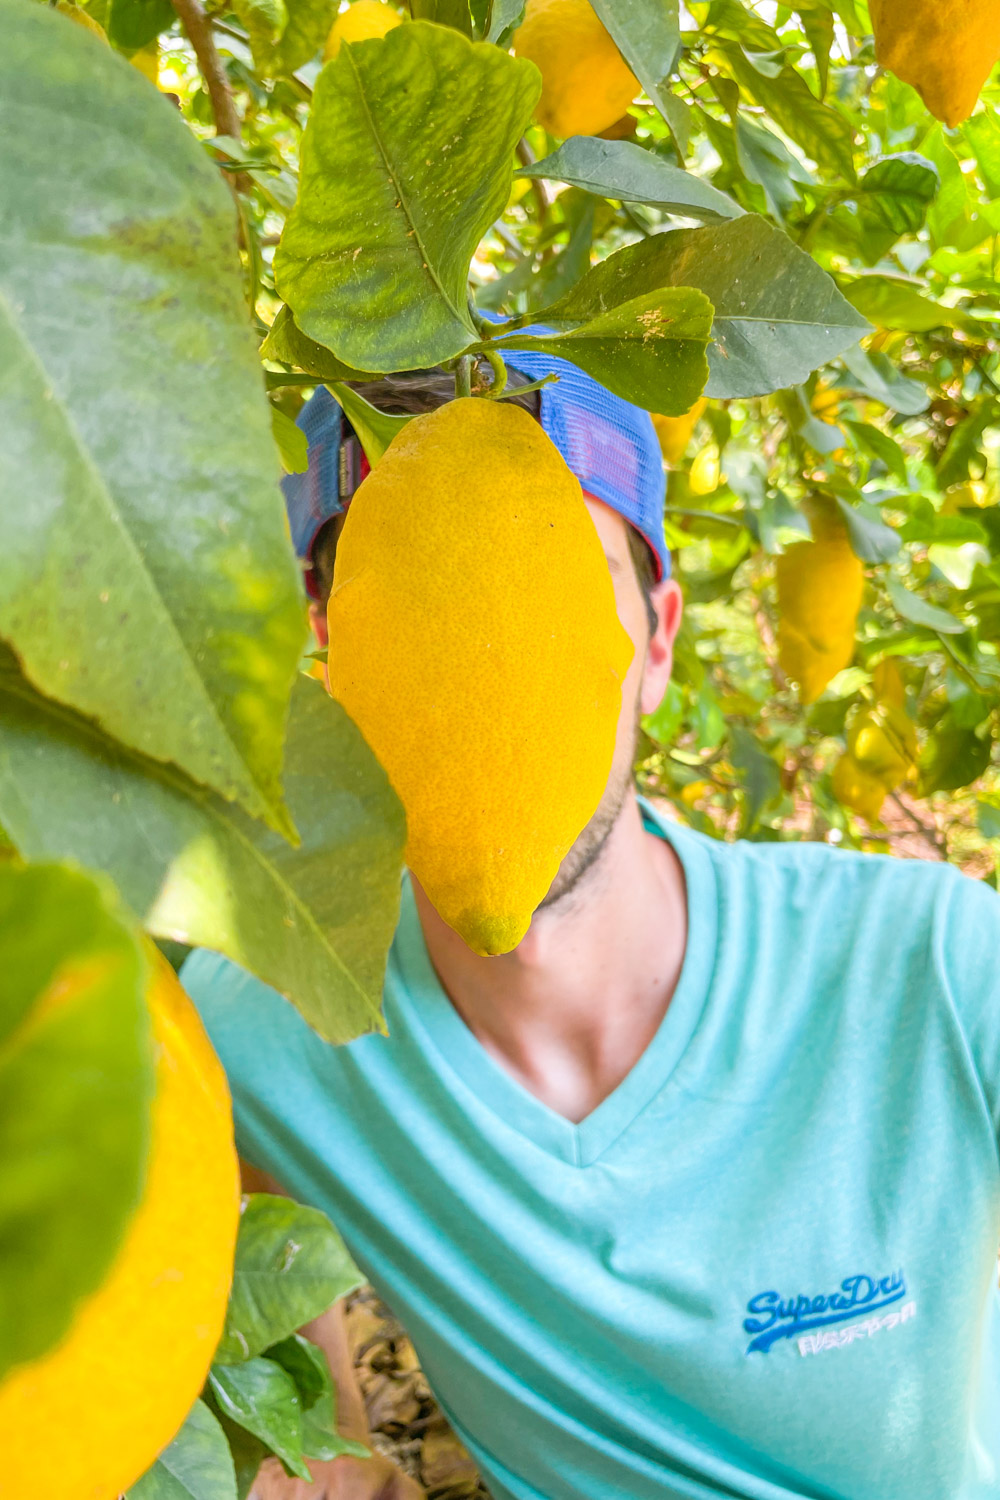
[{"x": 644, "y": 685}]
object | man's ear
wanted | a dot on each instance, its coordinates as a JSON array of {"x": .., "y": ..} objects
[
  {"x": 317, "y": 619},
  {"x": 668, "y": 606}
]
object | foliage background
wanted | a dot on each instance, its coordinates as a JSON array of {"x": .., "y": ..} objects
[{"x": 784, "y": 109}]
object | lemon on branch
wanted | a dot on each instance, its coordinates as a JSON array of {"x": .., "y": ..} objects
[
  {"x": 674, "y": 433},
  {"x": 944, "y": 48},
  {"x": 820, "y": 585},
  {"x": 85, "y": 1420},
  {"x": 359, "y": 23},
  {"x": 586, "y": 84},
  {"x": 857, "y": 788},
  {"x": 474, "y": 636}
]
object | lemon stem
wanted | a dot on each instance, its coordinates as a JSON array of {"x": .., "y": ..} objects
[
  {"x": 463, "y": 375},
  {"x": 499, "y": 369}
]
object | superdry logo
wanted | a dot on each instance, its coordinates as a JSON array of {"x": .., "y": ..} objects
[{"x": 773, "y": 1317}]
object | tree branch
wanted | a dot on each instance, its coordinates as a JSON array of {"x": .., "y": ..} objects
[{"x": 198, "y": 28}]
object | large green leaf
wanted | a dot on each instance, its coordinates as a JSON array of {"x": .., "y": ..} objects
[
  {"x": 647, "y": 35},
  {"x": 618, "y": 169},
  {"x": 196, "y": 1466},
  {"x": 454, "y": 13},
  {"x": 76, "y": 1082},
  {"x": 262, "y": 1397},
  {"x": 315, "y": 922},
  {"x": 399, "y": 183},
  {"x": 777, "y": 314},
  {"x": 894, "y": 303},
  {"x": 146, "y": 577},
  {"x": 650, "y": 350},
  {"x": 291, "y": 1265}
]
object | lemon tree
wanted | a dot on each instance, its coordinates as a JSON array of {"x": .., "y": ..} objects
[{"x": 772, "y": 227}]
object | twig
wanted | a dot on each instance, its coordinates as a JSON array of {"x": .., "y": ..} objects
[{"x": 198, "y": 29}]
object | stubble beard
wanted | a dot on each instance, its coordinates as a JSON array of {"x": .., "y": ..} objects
[{"x": 584, "y": 859}]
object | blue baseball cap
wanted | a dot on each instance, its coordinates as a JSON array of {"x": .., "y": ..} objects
[{"x": 609, "y": 444}]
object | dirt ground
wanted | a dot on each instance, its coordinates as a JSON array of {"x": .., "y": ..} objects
[{"x": 405, "y": 1420}]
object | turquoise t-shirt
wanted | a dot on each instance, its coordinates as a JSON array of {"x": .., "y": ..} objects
[{"x": 764, "y": 1267}]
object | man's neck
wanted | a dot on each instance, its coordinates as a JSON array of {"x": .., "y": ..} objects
[{"x": 573, "y": 1008}]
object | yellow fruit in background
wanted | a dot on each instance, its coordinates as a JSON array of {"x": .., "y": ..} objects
[
  {"x": 362, "y": 21},
  {"x": 705, "y": 476},
  {"x": 857, "y": 788},
  {"x": 944, "y": 48},
  {"x": 973, "y": 493},
  {"x": 674, "y": 433},
  {"x": 883, "y": 742},
  {"x": 475, "y": 642},
  {"x": 820, "y": 586},
  {"x": 586, "y": 84},
  {"x": 147, "y": 61},
  {"x": 89, "y": 1417}
]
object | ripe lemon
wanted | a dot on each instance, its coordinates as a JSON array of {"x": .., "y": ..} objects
[
  {"x": 857, "y": 788},
  {"x": 883, "y": 741},
  {"x": 674, "y": 433},
  {"x": 944, "y": 48},
  {"x": 89, "y": 1417},
  {"x": 586, "y": 84},
  {"x": 363, "y": 20},
  {"x": 820, "y": 586},
  {"x": 475, "y": 642}
]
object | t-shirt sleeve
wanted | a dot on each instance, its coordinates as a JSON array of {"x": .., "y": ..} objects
[{"x": 969, "y": 941}]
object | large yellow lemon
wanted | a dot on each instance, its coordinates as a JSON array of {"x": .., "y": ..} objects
[
  {"x": 820, "y": 586},
  {"x": 857, "y": 788},
  {"x": 359, "y": 23},
  {"x": 944, "y": 48},
  {"x": 474, "y": 641},
  {"x": 89, "y": 1417},
  {"x": 586, "y": 84}
]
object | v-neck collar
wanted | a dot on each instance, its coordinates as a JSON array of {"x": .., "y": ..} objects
[{"x": 425, "y": 1004}]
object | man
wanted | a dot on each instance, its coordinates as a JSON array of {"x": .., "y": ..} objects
[{"x": 695, "y": 1193}]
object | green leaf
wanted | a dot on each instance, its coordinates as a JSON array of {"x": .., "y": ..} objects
[
  {"x": 265, "y": 21},
  {"x": 759, "y": 774},
  {"x": 953, "y": 758},
  {"x": 964, "y": 445},
  {"x": 988, "y": 815},
  {"x": 765, "y": 159},
  {"x": 154, "y": 588},
  {"x": 875, "y": 375},
  {"x": 398, "y": 186},
  {"x": 912, "y": 607},
  {"x": 292, "y": 442},
  {"x": 261, "y": 1397},
  {"x": 618, "y": 169},
  {"x": 982, "y": 132},
  {"x": 76, "y": 1083},
  {"x": 505, "y": 15},
  {"x": 898, "y": 304},
  {"x": 308, "y": 1367},
  {"x": 291, "y": 1265},
  {"x": 777, "y": 315},
  {"x": 309, "y": 23},
  {"x": 375, "y": 429},
  {"x": 880, "y": 445},
  {"x": 315, "y": 922},
  {"x": 650, "y": 350},
  {"x": 892, "y": 199},
  {"x": 454, "y": 13},
  {"x": 132, "y": 24},
  {"x": 871, "y": 539},
  {"x": 196, "y": 1466},
  {"x": 647, "y": 34},
  {"x": 286, "y": 344},
  {"x": 823, "y": 132}
]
